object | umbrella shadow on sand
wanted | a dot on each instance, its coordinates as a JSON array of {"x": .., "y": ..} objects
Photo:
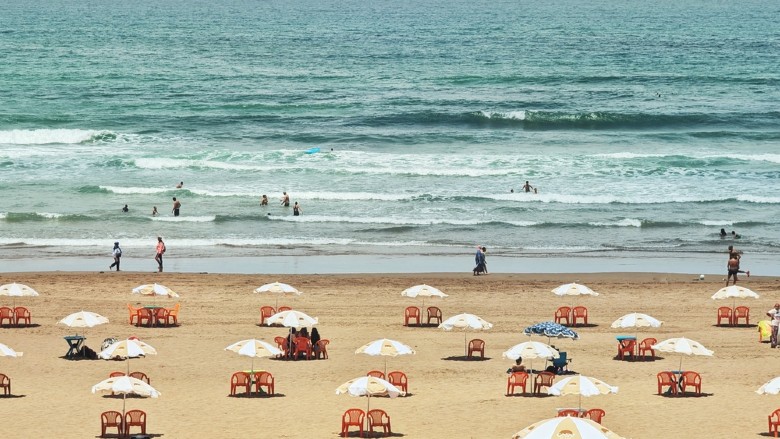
[
  {"x": 465, "y": 358},
  {"x": 686, "y": 395},
  {"x": 367, "y": 433},
  {"x": 11, "y": 396},
  {"x": 638, "y": 359},
  {"x": 133, "y": 436},
  {"x": 252, "y": 395}
]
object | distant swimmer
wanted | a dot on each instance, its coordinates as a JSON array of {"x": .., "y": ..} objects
[
  {"x": 735, "y": 235},
  {"x": 285, "y": 200},
  {"x": 722, "y": 233},
  {"x": 527, "y": 187},
  {"x": 154, "y": 211},
  {"x": 264, "y": 200},
  {"x": 176, "y": 206},
  {"x": 512, "y": 191},
  {"x": 180, "y": 185},
  {"x": 125, "y": 209},
  {"x": 297, "y": 209}
]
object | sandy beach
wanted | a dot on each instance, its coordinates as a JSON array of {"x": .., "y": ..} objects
[{"x": 449, "y": 397}]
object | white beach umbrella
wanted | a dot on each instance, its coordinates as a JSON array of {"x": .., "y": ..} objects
[
  {"x": 17, "y": 290},
  {"x": 125, "y": 385},
  {"x": 369, "y": 386},
  {"x": 154, "y": 290},
  {"x": 292, "y": 319},
  {"x": 682, "y": 346},
  {"x": 466, "y": 321},
  {"x": 582, "y": 386},
  {"x": 566, "y": 427},
  {"x": 734, "y": 292},
  {"x": 278, "y": 288},
  {"x": 573, "y": 289},
  {"x": 771, "y": 387},
  {"x": 531, "y": 350},
  {"x": 6, "y": 351},
  {"x": 254, "y": 348},
  {"x": 636, "y": 320},
  {"x": 129, "y": 348},
  {"x": 83, "y": 319},
  {"x": 386, "y": 348},
  {"x": 423, "y": 291}
]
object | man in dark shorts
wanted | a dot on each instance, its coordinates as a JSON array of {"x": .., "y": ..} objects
[
  {"x": 733, "y": 267},
  {"x": 176, "y": 206}
]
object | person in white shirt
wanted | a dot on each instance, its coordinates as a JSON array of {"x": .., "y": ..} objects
[{"x": 774, "y": 314}]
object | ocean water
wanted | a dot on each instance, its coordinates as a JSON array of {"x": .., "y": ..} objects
[{"x": 644, "y": 127}]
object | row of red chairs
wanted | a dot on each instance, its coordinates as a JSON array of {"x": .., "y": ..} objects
[
  {"x": 594, "y": 415},
  {"x": 15, "y": 316},
  {"x": 679, "y": 386},
  {"x": 733, "y": 316},
  {"x": 137, "y": 375},
  {"x": 246, "y": 380},
  {"x": 520, "y": 379},
  {"x": 112, "y": 419},
  {"x": 302, "y": 347},
  {"x": 396, "y": 378},
  {"x": 414, "y": 313},
  {"x": 377, "y": 418},
  {"x": 157, "y": 316},
  {"x": 571, "y": 315},
  {"x": 268, "y": 311},
  {"x": 630, "y": 347}
]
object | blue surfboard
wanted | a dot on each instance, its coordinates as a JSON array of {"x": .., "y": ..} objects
[{"x": 312, "y": 150}]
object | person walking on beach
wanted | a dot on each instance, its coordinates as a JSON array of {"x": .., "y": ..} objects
[
  {"x": 527, "y": 187},
  {"x": 297, "y": 209},
  {"x": 774, "y": 315},
  {"x": 176, "y": 206},
  {"x": 733, "y": 253},
  {"x": 479, "y": 259},
  {"x": 117, "y": 253},
  {"x": 159, "y": 255},
  {"x": 285, "y": 200},
  {"x": 733, "y": 269}
]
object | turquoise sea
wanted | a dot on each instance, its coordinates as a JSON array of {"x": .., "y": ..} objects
[{"x": 646, "y": 127}]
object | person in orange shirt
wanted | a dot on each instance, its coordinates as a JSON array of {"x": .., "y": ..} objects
[{"x": 159, "y": 256}]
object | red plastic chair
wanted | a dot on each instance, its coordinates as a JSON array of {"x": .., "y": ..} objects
[
  {"x": 281, "y": 343},
  {"x": 240, "y": 379},
  {"x": 376, "y": 374},
  {"x": 516, "y": 379},
  {"x": 434, "y": 313},
  {"x": 321, "y": 349},
  {"x": 625, "y": 348},
  {"x": 111, "y": 419},
  {"x": 378, "y": 418},
  {"x": 133, "y": 313},
  {"x": 543, "y": 379},
  {"x": 116, "y": 374},
  {"x": 284, "y": 308},
  {"x": 5, "y": 384},
  {"x": 161, "y": 316},
  {"x": 594, "y": 415},
  {"x": 579, "y": 313},
  {"x": 7, "y": 313},
  {"x": 476, "y": 345},
  {"x": 398, "y": 379},
  {"x": 303, "y": 347},
  {"x": 264, "y": 379},
  {"x": 691, "y": 379},
  {"x": 724, "y": 312},
  {"x": 145, "y": 314},
  {"x": 574, "y": 413},
  {"x": 352, "y": 418},
  {"x": 22, "y": 314},
  {"x": 135, "y": 418},
  {"x": 740, "y": 312},
  {"x": 411, "y": 312},
  {"x": 774, "y": 422},
  {"x": 173, "y": 316},
  {"x": 265, "y": 312},
  {"x": 140, "y": 376},
  {"x": 667, "y": 379},
  {"x": 561, "y": 314},
  {"x": 645, "y": 346}
]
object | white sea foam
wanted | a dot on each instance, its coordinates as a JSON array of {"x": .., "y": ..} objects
[
  {"x": 134, "y": 190},
  {"x": 373, "y": 220},
  {"x": 517, "y": 115},
  {"x": 625, "y": 222},
  {"x": 185, "y": 219},
  {"x": 46, "y": 136},
  {"x": 758, "y": 199}
]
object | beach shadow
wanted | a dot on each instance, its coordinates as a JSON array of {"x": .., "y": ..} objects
[
  {"x": 132, "y": 436},
  {"x": 465, "y": 358},
  {"x": 255, "y": 395},
  {"x": 11, "y": 396},
  {"x": 583, "y": 325},
  {"x": 685, "y": 395},
  {"x": 31, "y": 325}
]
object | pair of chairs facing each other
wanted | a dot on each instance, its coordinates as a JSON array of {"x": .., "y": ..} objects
[
  {"x": 15, "y": 316},
  {"x": 150, "y": 316},
  {"x": 774, "y": 422},
  {"x": 628, "y": 347},
  {"x": 679, "y": 387},
  {"x": 377, "y": 418},
  {"x": 571, "y": 315},
  {"x": 268, "y": 311},
  {"x": 733, "y": 317},
  {"x": 520, "y": 379},
  {"x": 5, "y": 384},
  {"x": 137, "y": 375},
  {"x": 414, "y": 313},
  {"x": 113, "y": 419},
  {"x": 594, "y": 415},
  {"x": 476, "y": 346},
  {"x": 245, "y": 380},
  {"x": 396, "y": 378}
]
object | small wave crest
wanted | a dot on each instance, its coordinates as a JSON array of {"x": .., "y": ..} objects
[
  {"x": 186, "y": 219},
  {"x": 53, "y": 136}
]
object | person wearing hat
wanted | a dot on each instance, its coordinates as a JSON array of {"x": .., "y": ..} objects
[{"x": 117, "y": 252}]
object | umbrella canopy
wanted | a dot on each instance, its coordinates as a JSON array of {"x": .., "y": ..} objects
[
  {"x": 6, "y": 351},
  {"x": 369, "y": 386},
  {"x": 278, "y": 288},
  {"x": 423, "y": 291},
  {"x": 683, "y": 346},
  {"x": 636, "y": 320},
  {"x": 574, "y": 289},
  {"x": 551, "y": 330},
  {"x": 465, "y": 322},
  {"x": 125, "y": 385},
  {"x": 772, "y": 387},
  {"x": 734, "y": 292},
  {"x": 17, "y": 290},
  {"x": 386, "y": 348},
  {"x": 83, "y": 319},
  {"x": 154, "y": 290},
  {"x": 531, "y": 350},
  {"x": 254, "y": 348},
  {"x": 291, "y": 319},
  {"x": 582, "y": 386},
  {"x": 129, "y": 348},
  {"x": 566, "y": 427}
]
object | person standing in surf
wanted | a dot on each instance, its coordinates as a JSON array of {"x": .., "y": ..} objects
[
  {"x": 297, "y": 209},
  {"x": 176, "y": 206},
  {"x": 160, "y": 251},
  {"x": 285, "y": 200}
]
